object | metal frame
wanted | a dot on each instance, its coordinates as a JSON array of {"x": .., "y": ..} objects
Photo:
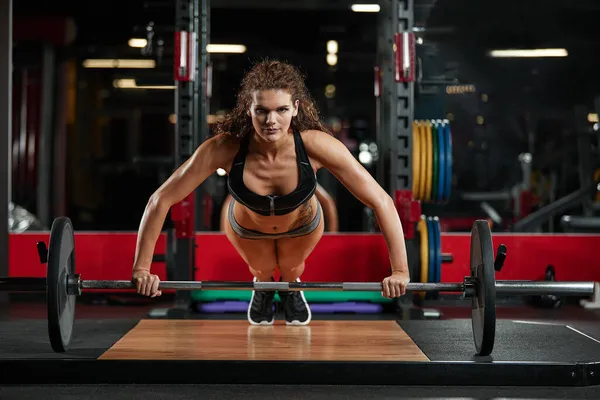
[
  {"x": 403, "y": 100},
  {"x": 201, "y": 130},
  {"x": 394, "y": 119},
  {"x": 186, "y": 141},
  {"x": 584, "y": 153},
  {"x": 191, "y": 129},
  {"x": 46, "y": 135},
  {"x": 396, "y": 104},
  {"x": 532, "y": 222},
  {"x": 5, "y": 126}
]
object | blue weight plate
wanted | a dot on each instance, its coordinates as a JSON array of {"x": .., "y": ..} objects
[
  {"x": 442, "y": 162},
  {"x": 448, "y": 147}
]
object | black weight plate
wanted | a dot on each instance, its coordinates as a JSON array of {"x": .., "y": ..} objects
[
  {"x": 438, "y": 249},
  {"x": 61, "y": 264},
  {"x": 431, "y": 250},
  {"x": 483, "y": 303}
]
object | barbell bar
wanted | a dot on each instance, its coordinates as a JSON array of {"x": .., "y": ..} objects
[
  {"x": 519, "y": 288},
  {"x": 502, "y": 287},
  {"x": 62, "y": 284}
]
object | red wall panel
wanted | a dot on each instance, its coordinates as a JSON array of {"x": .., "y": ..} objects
[{"x": 338, "y": 257}]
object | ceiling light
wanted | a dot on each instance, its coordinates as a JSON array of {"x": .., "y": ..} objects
[
  {"x": 332, "y": 46},
  {"x": 131, "y": 84},
  {"x": 533, "y": 53},
  {"x": 116, "y": 63},
  {"x": 138, "y": 43},
  {"x": 365, "y": 7},
  {"x": 332, "y": 59},
  {"x": 225, "y": 48}
]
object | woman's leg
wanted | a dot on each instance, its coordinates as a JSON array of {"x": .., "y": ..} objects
[
  {"x": 261, "y": 259},
  {"x": 260, "y": 255},
  {"x": 291, "y": 256},
  {"x": 293, "y": 252}
]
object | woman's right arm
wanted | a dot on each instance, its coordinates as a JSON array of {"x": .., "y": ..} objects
[{"x": 208, "y": 157}]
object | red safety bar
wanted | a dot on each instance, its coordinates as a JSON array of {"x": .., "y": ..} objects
[
  {"x": 404, "y": 55},
  {"x": 186, "y": 55},
  {"x": 182, "y": 215},
  {"x": 409, "y": 211}
]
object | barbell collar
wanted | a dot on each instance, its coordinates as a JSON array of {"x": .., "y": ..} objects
[{"x": 74, "y": 285}]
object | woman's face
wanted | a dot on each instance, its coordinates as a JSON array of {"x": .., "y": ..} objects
[{"x": 272, "y": 112}]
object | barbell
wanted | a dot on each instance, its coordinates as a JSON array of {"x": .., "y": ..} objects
[{"x": 62, "y": 285}]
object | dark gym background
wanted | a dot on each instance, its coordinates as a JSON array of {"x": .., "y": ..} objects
[{"x": 514, "y": 106}]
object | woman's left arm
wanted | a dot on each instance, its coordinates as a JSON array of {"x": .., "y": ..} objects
[
  {"x": 335, "y": 157},
  {"x": 329, "y": 208}
]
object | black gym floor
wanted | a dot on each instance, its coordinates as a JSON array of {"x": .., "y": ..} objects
[{"x": 539, "y": 353}]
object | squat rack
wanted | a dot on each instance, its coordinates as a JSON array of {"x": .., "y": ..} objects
[{"x": 396, "y": 75}]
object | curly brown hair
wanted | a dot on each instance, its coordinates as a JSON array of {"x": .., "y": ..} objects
[{"x": 272, "y": 75}]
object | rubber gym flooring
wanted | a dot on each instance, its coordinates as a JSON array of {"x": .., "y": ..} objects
[{"x": 528, "y": 340}]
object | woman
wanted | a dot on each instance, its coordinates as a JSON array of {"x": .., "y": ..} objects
[{"x": 272, "y": 145}]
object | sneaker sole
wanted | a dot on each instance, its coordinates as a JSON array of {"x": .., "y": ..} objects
[
  {"x": 297, "y": 323},
  {"x": 264, "y": 323}
]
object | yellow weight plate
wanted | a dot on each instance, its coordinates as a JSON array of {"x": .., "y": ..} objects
[
  {"x": 429, "y": 166},
  {"x": 419, "y": 160},
  {"x": 424, "y": 250},
  {"x": 416, "y": 160},
  {"x": 423, "y": 183}
]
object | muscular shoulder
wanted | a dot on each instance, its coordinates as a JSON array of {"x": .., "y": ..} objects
[
  {"x": 223, "y": 148},
  {"x": 318, "y": 145},
  {"x": 225, "y": 143}
]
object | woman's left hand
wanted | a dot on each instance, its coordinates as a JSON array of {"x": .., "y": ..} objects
[{"x": 395, "y": 285}]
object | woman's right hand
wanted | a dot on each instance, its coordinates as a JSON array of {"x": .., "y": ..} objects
[{"x": 146, "y": 283}]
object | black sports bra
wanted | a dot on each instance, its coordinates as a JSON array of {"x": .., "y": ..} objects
[{"x": 271, "y": 204}]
